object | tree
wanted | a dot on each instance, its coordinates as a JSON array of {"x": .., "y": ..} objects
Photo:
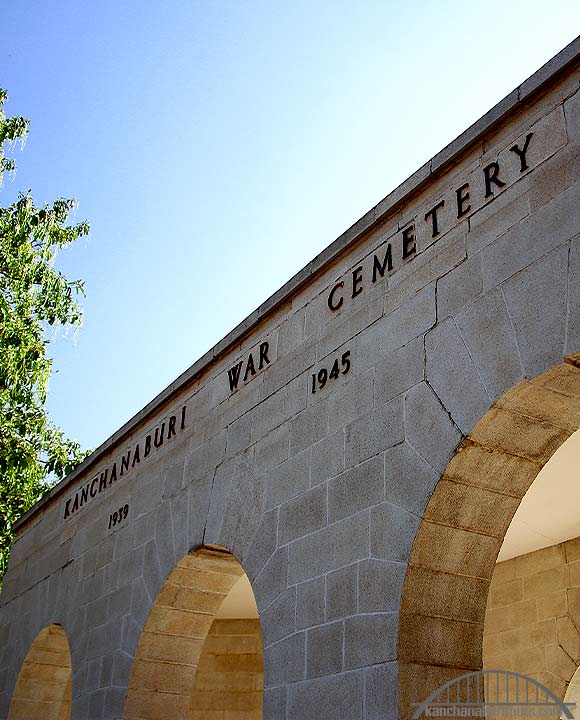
[{"x": 34, "y": 298}]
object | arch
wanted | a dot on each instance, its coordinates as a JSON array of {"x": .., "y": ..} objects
[
  {"x": 459, "y": 538},
  {"x": 44, "y": 687},
  {"x": 199, "y": 655}
]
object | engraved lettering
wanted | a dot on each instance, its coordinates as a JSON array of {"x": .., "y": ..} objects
[
  {"x": 433, "y": 215},
  {"x": 378, "y": 267},
  {"x": 357, "y": 281},
  {"x": 409, "y": 246},
  {"x": 462, "y": 195},
  {"x": 264, "y": 347},
  {"x": 522, "y": 153},
  {"x": 331, "y": 304},
  {"x": 249, "y": 367},
  {"x": 491, "y": 173},
  {"x": 234, "y": 375}
]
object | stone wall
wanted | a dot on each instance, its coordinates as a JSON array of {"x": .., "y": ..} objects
[
  {"x": 319, "y": 488},
  {"x": 532, "y": 622}
]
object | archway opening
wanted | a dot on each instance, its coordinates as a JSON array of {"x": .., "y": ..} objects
[
  {"x": 200, "y": 653},
  {"x": 44, "y": 687},
  {"x": 532, "y": 622},
  {"x": 454, "y": 554}
]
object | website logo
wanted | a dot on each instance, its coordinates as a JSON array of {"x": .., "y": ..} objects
[{"x": 493, "y": 694}]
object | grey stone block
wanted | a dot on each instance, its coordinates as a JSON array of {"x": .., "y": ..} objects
[
  {"x": 114, "y": 702},
  {"x": 310, "y": 603},
  {"x": 173, "y": 479},
  {"x": 205, "y": 458},
  {"x": 130, "y": 635},
  {"x": 324, "y": 650},
  {"x": 110, "y": 580},
  {"x": 105, "y": 551},
  {"x": 239, "y": 435},
  {"x": 381, "y": 699},
  {"x": 409, "y": 480},
  {"x": 152, "y": 575},
  {"x": 164, "y": 539},
  {"x": 370, "y": 639},
  {"x": 131, "y": 565},
  {"x": 341, "y": 328},
  {"x": 273, "y": 449},
  {"x": 337, "y": 697},
  {"x": 219, "y": 483},
  {"x": 147, "y": 498},
  {"x": 341, "y": 593},
  {"x": 93, "y": 674},
  {"x": 278, "y": 620},
  {"x": 429, "y": 264},
  {"x": 555, "y": 176},
  {"x": 487, "y": 331},
  {"x": 349, "y": 402},
  {"x": 409, "y": 321},
  {"x": 96, "y": 704},
  {"x": 460, "y": 287},
  {"x": 573, "y": 316},
  {"x": 453, "y": 376},
  {"x": 288, "y": 480},
  {"x": 180, "y": 523},
  {"x": 339, "y": 544},
  {"x": 274, "y": 707},
  {"x": 375, "y": 432},
  {"x": 97, "y": 612},
  {"x": 550, "y": 226},
  {"x": 4, "y": 703},
  {"x": 272, "y": 581},
  {"x": 380, "y": 584},
  {"x": 303, "y": 515},
  {"x": 120, "y": 601},
  {"x": 140, "y": 602},
  {"x": 572, "y": 116},
  {"x": 89, "y": 561},
  {"x": 392, "y": 532},
  {"x": 315, "y": 314},
  {"x": 80, "y": 707},
  {"x": 285, "y": 661},
  {"x": 356, "y": 489},
  {"x": 279, "y": 407},
  {"x": 291, "y": 331},
  {"x": 494, "y": 219},
  {"x": 327, "y": 459},
  {"x": 540, "y": 325},
  {"x": 399, "y": 371},
  {"x": 245, "y": 506},
  {"x": 428, "y": 427},
  {"x": 263, "y": 544},
  {"x": 287, "y": 367},
  {"x": 103, "y": 638},
  {"x": 310, "y": 426},
  {"x": 106, "y": 677},
  {"x": 242, "y": 403},
  {"x": 122, "y": 665}
]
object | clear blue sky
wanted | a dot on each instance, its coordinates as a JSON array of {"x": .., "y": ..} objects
[{"x": 216, "y": 147}]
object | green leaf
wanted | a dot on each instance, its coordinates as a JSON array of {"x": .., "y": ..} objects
[{"x": 34, "y": 453}]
